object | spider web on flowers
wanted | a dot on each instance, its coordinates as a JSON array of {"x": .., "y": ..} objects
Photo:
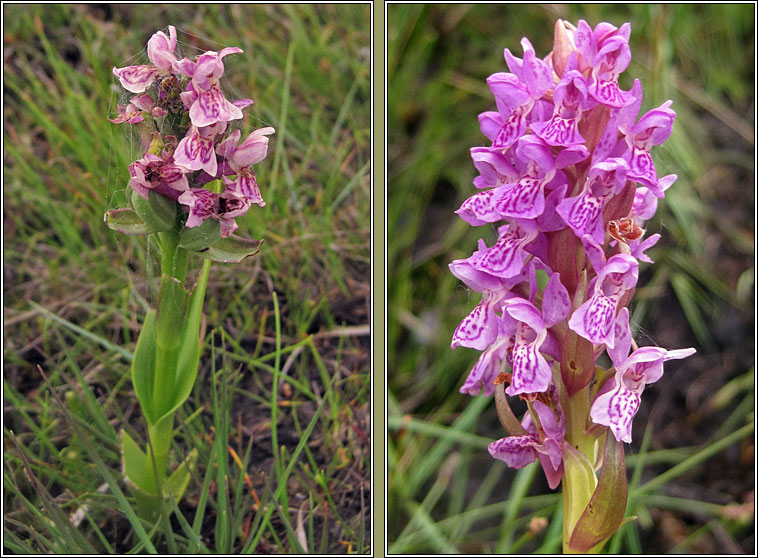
[{"x": 125, "y": 145}]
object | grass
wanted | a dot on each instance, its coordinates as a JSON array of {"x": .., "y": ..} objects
[
  {"x": 691, "y": 462},
  {"x": 280, "y": 411}
]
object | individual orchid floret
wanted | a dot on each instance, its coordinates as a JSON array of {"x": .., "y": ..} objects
[
  {"x": 570, "y": 99},
  {"x": 594, "y": 319},
  {"x": 652, "y": 129},
  {"x": 506, "y": 258},
  {"x": 195, "y": 151},
  {"x": 224, "y": 207},
  {"x": 515, "y": 96},
  {"x": 618, "y": 401},
  {"x": 158, "y": 173},
  {"x": 526, "y": 199},
  {"x": 203, "y": 96},
  {"x": 479, "y": 329},
  {"x": 135, "y": 111},
  {"x": 606, "y": 50},
  {"x": 160, "y": 51},
  {"x": 583, "y": 213},
  {"x": 238, "y": 159},
  {"x": 481, "y": 379},
  {"x": 531, "y": 372},
  {"x": 646, "y": 202},
  {"x": 545, "y": 443},
  {"x": 495, "y": 168}
]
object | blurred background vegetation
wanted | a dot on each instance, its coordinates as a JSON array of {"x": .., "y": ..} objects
[
  {"x": 691, "y": 464},
  {"x": 75, "y": 292}
]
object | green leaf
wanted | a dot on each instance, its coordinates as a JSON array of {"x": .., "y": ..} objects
[
  {"x": 158, "y": 212},
  {"x": 126, "y": 221},
  {"x": 143, "y": 366},
  {"x": 232, "y": 249},
  {"x": 189, "y": 355},
  {"x": 603, "y": 515},
  {"x": 134, "y": 463},
  {"x": 172, "y": 306},
  {"x": 200, "y": 238},
  {"x": 179, "y": 479}
]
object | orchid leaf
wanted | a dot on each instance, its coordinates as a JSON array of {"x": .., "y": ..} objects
[
  {"x": 158, "y": 212},
  {"x": 143, "y": 366},
  {"x": 200, "y": 237},
  {"x": 126, "y": 221},
  {"x": 605, "y": 512},
  {"x": 172, "y": 306},
  {"x": 179, "y": 479},
  {"x": 133, "y": 462},
  {"x": 188, "y": 358},
  {"x": 232, "y": 249}
]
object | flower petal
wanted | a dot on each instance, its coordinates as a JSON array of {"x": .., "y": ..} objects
[
  {"x": 479, "y": 329},
  {"x": 516, "y": 451},
  {"x": 136, "y": 78}
]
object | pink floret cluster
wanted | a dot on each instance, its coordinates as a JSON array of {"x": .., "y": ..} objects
[
  {"x": 191, "y": 144},
  {"x": 568, "y": 180}
]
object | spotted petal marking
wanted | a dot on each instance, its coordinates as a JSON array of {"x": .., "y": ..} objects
[
  {"x": 525, "y": 200},
  {"x": 505, "y": 258},
  {"x": 608, "y": 93},
  {"x": 593, "y": 320},
  {"x": 248, "y": 186},
  {"x": 136, "y": 78},
  {"x": 642, "y": 170},
  {"x": 479, "y": 210},
  {"x": 516, "y": 451},
  {"x": 616, "y": 409},
  {"x": 195, "y": 152},
  {"x": 559, "y": 131},
  {"x": 512, "y": 129},
  {"x": 478, "y": 330},
  {"x": 531, "y": 373},
  {"x": 584, "y": 215},
  {"x": 211, "y": 106}
]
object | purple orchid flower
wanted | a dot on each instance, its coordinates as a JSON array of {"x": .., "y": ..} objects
[
  {"x": 526, "y": 198},
  {"x": 160, "y": 174},
  {"x": 507, "y": 256},
  {"x": 224, "y": 207},
  {"x": 195, "y": 151},
  {"x": 619, "y": 399},
  {"x": 570, "y": 98},
  {"x": 495, "y": 168},
  {"x": 583, "y": 213},
  {"x": 203, "y": 96},
  {"x": 606, "y": 50},
  {"x": 240, "y": 157},
  {"x": 528, "y": 327},
  {"x": 160, "y": 51},
  {"x": 653, "y": 128},
  {"x": 544, "y": 443},
  {"x": 515, "y": 96},
  {"x": 594, "y": 319}
]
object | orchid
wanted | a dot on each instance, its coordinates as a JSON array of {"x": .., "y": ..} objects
[
  {"x": 187, "y": 188},
  {"x": 568, "y": 181},
  {"x": 160, "y": 51}
]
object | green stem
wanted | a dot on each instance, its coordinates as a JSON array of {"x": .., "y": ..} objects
[{"x": 160, "y": 442}]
